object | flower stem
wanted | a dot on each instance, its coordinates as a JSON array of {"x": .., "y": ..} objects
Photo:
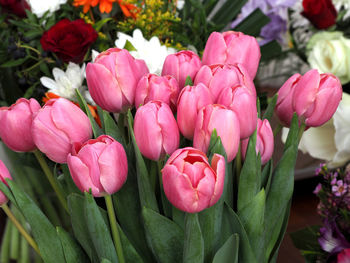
[
  {"x": 20, "y": 228},
  {"x": 51, "y": 179},
  {"x": 238, "y": 161},
  {"x": 301, "y": 131},
  {"x": 114, "y": 227},
  {"x": 277, "y": 129}
]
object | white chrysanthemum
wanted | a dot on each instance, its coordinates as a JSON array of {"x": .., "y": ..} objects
[
  {"x": 301, "y": 26},
  {"x": 331, "y": 141},
  {"x": 39, "y": 7},
  {"x": 343, "y": 4},
  {"x": 151, "y": 51},
  {"x": 64, "y": 84}
]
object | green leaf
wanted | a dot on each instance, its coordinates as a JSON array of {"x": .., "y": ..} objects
[
  {"x": 43, "y": 231},
  {"x": 99, "y": 24},
  {"x": 128, "y": 46},
  {"x": 69, "y": 186},
  {"x": 7, "y": 192},
  {"x": 14, "y": 63},
  {"x": 83, "y": 105},
  {"x": 266, "y": 176},
  {"x": 111, "y": 128},
  {"x": 228, "y": 253},
  {"x": 105, "y": 261},
  {"x": 228, "y": 11},
  {"x": 98, "y": 230},
  {"x": 270, "y": 108},
  {"x": 270, "y": 50},
  {"x": 253, "y": 23},
  {"x": 194, "y": 244},
  {"x": 147, "y": 196},
  {"x": 307, "y": 238},
  {"x": 188, "y": 81},
  {"x": 130, "y": 253},
  {"x": 165, "y": 238},
  {"x": 72, "y": 251}
]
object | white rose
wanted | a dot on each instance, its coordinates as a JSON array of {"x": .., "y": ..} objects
[
  {"x": 39, "y": 7},
  {"x": 329, "y": 52}
]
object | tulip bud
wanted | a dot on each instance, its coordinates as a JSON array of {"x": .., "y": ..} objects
[
  {"x": 226, "y": 124},
  {"x": 243, "y": 103},
  {"x": 181, "y": 65},
  {"x": 314, "y": 97},
  {"x": 232, "y": 47},
  {"x": 218, "y": 77},
  {"x": 112, "y": 79},
  {"x": 98, "y": 164},
  {"x": 153, "y": 87},
  {"x": 264, "y": 141},
  {"x": 4, "y": 173},
  {"x": 16, "y": 121},
  {"x": 191, "y": 100},
  {"x": 57, "y": 126},
  {"x": 190, "y": 183},
  {"x": 156, "y": 130}
]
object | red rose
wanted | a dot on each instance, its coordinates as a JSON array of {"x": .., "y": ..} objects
[
  {"x": 16, "y": 7},
  {"x": 69, "y": 40},
  {"x": 321, "y": 13}
]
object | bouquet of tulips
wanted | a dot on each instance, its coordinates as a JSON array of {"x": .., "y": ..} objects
[{"x": 183, "y": 160}]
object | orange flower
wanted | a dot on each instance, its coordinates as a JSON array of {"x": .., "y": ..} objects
[
  {"x": 105, "y": 5},
  {"x": 129, "y": 10}
]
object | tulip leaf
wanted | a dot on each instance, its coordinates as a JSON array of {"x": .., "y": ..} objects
[
  {"x": 111, "y": 128},
  {"x": 165, "y": 238},
  {"x": 178, "y": 217},
  {"x": 43, "y": 231},
  {"x": 266, "y": 176},
  {"x": 130, "y": 253},
  {"x": 193, "y": 251},
  {"x": 98, "y": 230},
  {"x": 228, "y": 253},
  {"x": 73, "y": 253},
  {"x": 253, "y": 23},
  {"x": 147, "y": 196},
  {"x": 7, "y": 192},
  {"x": 188, "y": 81},
  {"x": 270, "y": 108},
  {"x": 270, "y": 50},
  {"x": 105, "y": 261},
  {"x": 83, "y": 105},
  {"x": 69, "y": 185},
  {"x": 249, "y": 178}
]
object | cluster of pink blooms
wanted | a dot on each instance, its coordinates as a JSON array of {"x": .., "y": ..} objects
[{"x": 223, "y": 98}]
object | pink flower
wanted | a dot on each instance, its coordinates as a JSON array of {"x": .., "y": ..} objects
[
  {"x": 153, "y": 87},
  {"x": 156, "y": 130},
  {"x": 181, "y": 65},
  {"x": 57, "y": 126},
  {"x": 232, "y": 47},
  {"x": 191, "y": 100},
  {"x": 113, "y": 77},
  {"x": 340, "y": 188},
  {"x": 192, "y": 184},
  {"x": 16, "y": 123},
  {"x": 227, "y": 127},
  {"x": 98, "y": 164},
  {"x": 4, "y": 173},
  {"x": 344, "y": 256},
  {"x": 219, "y": 77}
]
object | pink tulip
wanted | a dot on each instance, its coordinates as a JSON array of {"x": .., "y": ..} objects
[
  {"x": 264, "y": 141},
  {"x": 113, "y": 77},
  {"x": 98, "y": 164},
  {"x": 226, "y": 124},
  {"x": 243, "y": 103},
  {"x": 344, "y": 256},
  {"x": 314, "y": 97},
  {"x": 153, "y": 87},
  {"x": 192, "y": 184},
  {"x": 191, "y": 100},
  {"x": 218, "y": 77},
  {"x": 16, "y": 121},
  {"x": 156, "y": 130},
  {"x": 232, "y": 47},
  {"x": 4, "y": 173},
  {"x": 181, "y": 65},
  {"x": 57, "y": 126}
]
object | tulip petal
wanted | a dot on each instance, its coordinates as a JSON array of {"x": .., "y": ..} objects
[{"x": 215, "y": 50}]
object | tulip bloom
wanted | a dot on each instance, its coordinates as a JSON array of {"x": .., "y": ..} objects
[
  {"x": 243, "y": 103},
  {"x": 57, "y": 126},
  {"x": 227, "y": 127},
  {"x": 190, "y": 183},
  {"x": 218, "y": 77},
  {"x": 153, "y": 87},
  {"x": 156, "y": 130},
  {"x": 232, "y": 47},
  {"x": 16, "y": 121},
  {"x": 113, "y": 77},
  {"x": 264, "y": 141},
  {"x": 98, "y": 164},
  {"x": 314, "y": 97},
  {"x": 191, "y": 100},
  {"x": 181, "y": 65},
  {"x": 4, "y": 173}
]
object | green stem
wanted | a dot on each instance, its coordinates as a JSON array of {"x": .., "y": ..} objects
[
  {"x": 29, "y": 47},
  {"x": 5, "y": 243},
  {"x": 301, "y": 131},
  {"x": 20, "y": 228},
  {"x": 34, "y": 66},
  {"x": 238, "y": 162},
  {"x": 114, "y": 227},
  {"x": 277, "y": 129},
  {"x": 51, "y": 179}
]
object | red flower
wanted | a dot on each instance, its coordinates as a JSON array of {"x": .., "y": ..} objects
[
  {"x": 321, "y": 13},
  {"x": 16, "y": 7},
  {"x": 69, "y": 40}
]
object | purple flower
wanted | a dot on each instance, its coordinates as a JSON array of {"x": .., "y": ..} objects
[
  {"x": 340, "y": 188},
  {"x": 273, "y": 30},
  {"x": 282, "y": 3},
  {"x": 331, "y": 240}
]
